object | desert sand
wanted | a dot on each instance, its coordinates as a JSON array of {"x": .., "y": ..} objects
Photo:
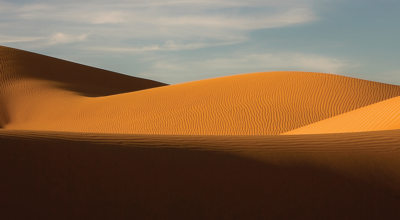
[
  {"x": 77, "y": 142},
  {"x": 384, "y": 115}
]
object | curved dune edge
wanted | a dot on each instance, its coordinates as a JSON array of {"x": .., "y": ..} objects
[
  {"x": 56, "y": 175},
  {"x": 18, "y": 65},
  {"x": 383, "y": 115},
  {"x": 42, "y": 93},
  {"x": 248, "y": 104},
  {"x": 39, "y": 80}
]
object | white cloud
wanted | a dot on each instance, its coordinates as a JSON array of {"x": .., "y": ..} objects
[
  {"x": 169, "y": 45},
  {"x": 4, "y": 7},
  {"x": 35, "y": 8},
  {"x": 61, "y": 38},
  {"x": 238, "y": 22},
  {"x": 194, "y": 22},
  {"x": 111, "y": 17},
  {"x": 262, "y": 62},
  {"x": 15, "y": 39}
]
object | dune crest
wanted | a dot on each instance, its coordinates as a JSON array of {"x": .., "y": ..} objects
[{"x": 42, "y": 93}]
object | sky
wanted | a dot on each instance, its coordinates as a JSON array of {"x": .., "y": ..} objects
[{"x": 187, "y": 40}]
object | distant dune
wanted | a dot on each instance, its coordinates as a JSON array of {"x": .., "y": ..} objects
[
  {"x": 43, "y": 93},
  {"x": 77, "y": 142},
  {"x": 383, "y": 115}
]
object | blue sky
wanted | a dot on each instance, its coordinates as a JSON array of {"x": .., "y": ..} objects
[{"x": 187, "y": 40}]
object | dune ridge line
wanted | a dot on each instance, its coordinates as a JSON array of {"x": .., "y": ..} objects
[{"x": 43, "y": 93}]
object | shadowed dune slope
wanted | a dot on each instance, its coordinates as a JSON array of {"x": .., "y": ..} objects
[
  {"x": 42, "y": 93},
  {"x": 18, "y": 65},
  {"x": 383, "y": 115},
  {"x": 24, "y": 74},
  {"x": 55, "y": 175}
]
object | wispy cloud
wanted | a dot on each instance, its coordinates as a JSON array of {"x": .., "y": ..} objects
[
  {"x": 62, "y": 38},
  {"x": 241, "y": 63},
  {"x": 262, "y": 62},
  {"x": 15, "y": 39},
  {"x": 109, "y": 17},
  {"x": 169, "y": 45},
  {"x": 26, "y": 8},
  {"x": 195, "y": 23}
]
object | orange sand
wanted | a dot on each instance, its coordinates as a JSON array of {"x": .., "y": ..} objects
[
  {"x": 29, "y": 80},
  {"x": 37, "y": 97},
  {"x": 383, "y": 115},
  {"x": 83, "y": 143}
]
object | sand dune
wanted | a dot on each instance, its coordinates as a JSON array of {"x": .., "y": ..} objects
[
  {"x": 383, "y": 115},
  {"x": 102, "y": 176},
  {"x": 78, "y": 142},
  {"x": 36, "y": 79},
  {"x": 248, "y": 104}
]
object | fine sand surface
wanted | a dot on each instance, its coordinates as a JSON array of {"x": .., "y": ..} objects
[
  {"x": 78, "y": 142},
  {"x": 383, "y": 115},
  {"x": 53, "y": 175},
  {"x": 43, "y": 93}
]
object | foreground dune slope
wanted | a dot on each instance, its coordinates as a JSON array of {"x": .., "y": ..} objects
[
  {"x": 55, "y": 175},
  {"x": 35, "y": 96},
  {"x": 383, "y": 115}
]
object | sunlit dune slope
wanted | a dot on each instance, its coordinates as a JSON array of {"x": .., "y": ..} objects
[
  {"x": 42, "y": 93},
  {"x": 56, "y": 175},
  {"x": 383, "y": 115}
]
